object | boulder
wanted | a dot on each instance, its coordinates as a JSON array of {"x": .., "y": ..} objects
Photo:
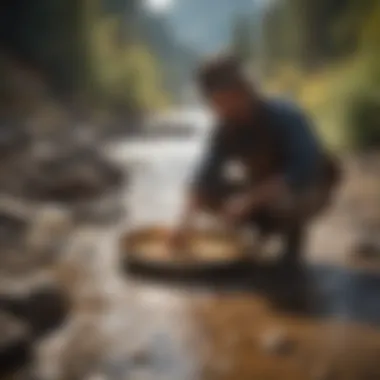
[
  {"x": 38, "y": 302},
  {"x": 13, "y": 140},
  {"x": 15, "y": 344},
  {"x": 15, "y": 221},
  {"x": 31, "y": 238},
  {"x": 106, "y": 210},
  {"x": 367, "y": 247},
  {"x": 72, "y": 176}
]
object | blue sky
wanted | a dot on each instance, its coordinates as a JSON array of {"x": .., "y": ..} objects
[{"x": 159, "y": 6}]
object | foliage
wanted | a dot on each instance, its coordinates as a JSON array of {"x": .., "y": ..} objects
[
  {"x": 364, "y": 121},
  {"x": 326, "y": 54},
  {"x": 242, "y": 39},
  {"x": 83, "y": 47}
]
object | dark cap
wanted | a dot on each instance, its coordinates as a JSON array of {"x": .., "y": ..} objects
[{"x": 220, "y": 72}]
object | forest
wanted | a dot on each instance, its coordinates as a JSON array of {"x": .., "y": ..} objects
[
  {"x": 325, "y": 54},
  {"x": 82, "y": 55},
  {"x": 108, "y": 56}
]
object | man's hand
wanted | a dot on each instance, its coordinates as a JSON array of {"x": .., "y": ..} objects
[
  {"x": 176, "y": 240},
  {"x": 237, "y": 209}
]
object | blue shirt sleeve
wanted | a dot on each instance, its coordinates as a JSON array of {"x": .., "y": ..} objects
[{"x": 302, "y": 150}]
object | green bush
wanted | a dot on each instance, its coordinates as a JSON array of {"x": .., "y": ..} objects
[{"x": 364, "y": 122}]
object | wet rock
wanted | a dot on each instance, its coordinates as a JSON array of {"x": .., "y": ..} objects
[
  {"x": 105, "y": 210},
  {"x": 141, "y": 358},
  {"x": 30, "y": 238},
  {"x": 45, "y": 310},
  {"x": 141, "y": 374},
  {"x": 15, "y": 163},
  {"x": 13, "y": 139},
  {"x": 50, "y": 228},
  {"x": 15, "y": 344},
  {"x": 97, "y": 376},
  {"x": 277, "y": 342},
  {"x": 367, "y": 248},
  {"x": 42, "y": 306},
  {"x": 82, "y": 353},
  {"x": 12, "y": 227},
  {"x": 15, "y": 221},
  {"x": 71, "y": 176}
]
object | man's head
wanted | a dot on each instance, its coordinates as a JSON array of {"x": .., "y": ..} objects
[{"x": 225, "y": 86}]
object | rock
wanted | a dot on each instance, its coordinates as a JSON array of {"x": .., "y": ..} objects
[
  {"x": 97, "y": 376},
  {"x": 75, "y": 175},
  {"x": 30, "y": 238},
  {"x": 277, "y": 342},
  {"x": 15, "y": 344},
  {"x": 105, "y": 210},
  {"x": 83, "y": 351},
  {"x": 15, "y": 219},
  {"x": 45, "y": 310},
  {"x": 50, "y": 227},
  {"x": 42, "y": 306},
  {"x": 367, "y": 248},
  {"x": 141, "y": 374},
  {"x": 141, "y": 358},
  {"x": 13, "y": 139}
]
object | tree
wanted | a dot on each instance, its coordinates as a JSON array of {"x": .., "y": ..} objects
[{"x": 242, "y": 44}]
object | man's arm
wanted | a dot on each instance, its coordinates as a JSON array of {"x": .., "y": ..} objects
[
  {"x": 302, "y": 159},
  {"x": 204, "y": 183}
]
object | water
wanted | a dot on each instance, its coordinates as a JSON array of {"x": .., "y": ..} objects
[{"x": 124, "y": 327}]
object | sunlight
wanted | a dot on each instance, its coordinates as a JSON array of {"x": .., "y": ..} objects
[{"x": 158, "y": 6}]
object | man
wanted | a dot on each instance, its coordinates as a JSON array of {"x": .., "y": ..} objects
[{"x": 285, "y": 175}]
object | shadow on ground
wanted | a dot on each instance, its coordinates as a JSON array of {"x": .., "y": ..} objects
[{"x": 314, "y": 290}]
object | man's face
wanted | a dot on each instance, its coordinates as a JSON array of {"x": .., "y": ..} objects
[{"x": 231, "y": 104}]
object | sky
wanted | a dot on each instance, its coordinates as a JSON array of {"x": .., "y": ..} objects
[
  {"x": 162, "y": 6},
  {"x": 158, "y": 6}
]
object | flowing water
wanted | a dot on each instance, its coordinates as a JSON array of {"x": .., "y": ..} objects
[{"x": 305, "y": 326}]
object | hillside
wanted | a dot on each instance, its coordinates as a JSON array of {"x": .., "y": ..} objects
[{"x": 206, "y": 25}]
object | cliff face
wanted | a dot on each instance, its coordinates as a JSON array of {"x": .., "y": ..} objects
[
  {"x": 177, "y": 58},
  {"x": 206, "y": 25},
  {"x": 187, "y": 31}
]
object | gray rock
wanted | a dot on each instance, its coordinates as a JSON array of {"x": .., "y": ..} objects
[
  {"x": 30, "y": 238},
  {"x": 13, "y": 139},
  {"x": 323, "y": 373},
  {"x": 71, "y": 176},
  {"x": 39, "y": 303},
  {"x": 367, "y": 248},
  {"x": 15, "y": 344},
  {"x": 101, "y": 211}
]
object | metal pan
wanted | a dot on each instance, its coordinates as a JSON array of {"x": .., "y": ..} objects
[{"x": 133, "y": 262}]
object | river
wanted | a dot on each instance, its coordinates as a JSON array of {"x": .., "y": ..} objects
[{"x": 127, "y": 328}]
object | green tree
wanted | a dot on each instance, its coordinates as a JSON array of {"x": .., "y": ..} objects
[{"x": 242, "y": 44}]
